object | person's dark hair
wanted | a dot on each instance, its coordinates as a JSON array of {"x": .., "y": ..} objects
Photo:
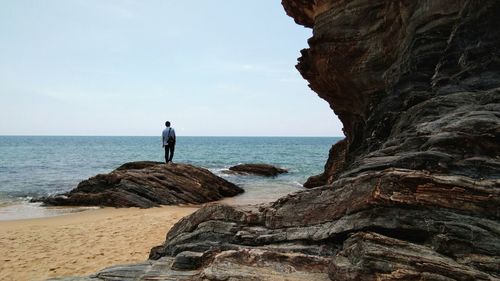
[{"x": 167, "y": 123}]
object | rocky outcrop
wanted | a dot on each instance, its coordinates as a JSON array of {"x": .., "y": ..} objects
[
  {"x": 258, "y": 169},
  {"x": 415, "y": 83},
  {"x": 335, "y": 164},
  {"x": 246, "y": 264},
  {"x": 148, "y": 184},
  {"x": 413, "y": 192}
]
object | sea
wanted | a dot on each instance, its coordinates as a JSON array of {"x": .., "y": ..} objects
[{"x": 34, "y": 166}]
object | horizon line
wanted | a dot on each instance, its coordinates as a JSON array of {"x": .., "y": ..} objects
[{"x": 226, "y": 136}]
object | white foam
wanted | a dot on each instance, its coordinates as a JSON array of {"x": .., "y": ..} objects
[{"x": 27, "y": 210}]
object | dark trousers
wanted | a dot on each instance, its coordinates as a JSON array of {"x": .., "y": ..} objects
[{"x": 169, "y": 148}]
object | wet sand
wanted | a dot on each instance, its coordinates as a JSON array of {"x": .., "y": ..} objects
[{"x": 82, "y": 243}]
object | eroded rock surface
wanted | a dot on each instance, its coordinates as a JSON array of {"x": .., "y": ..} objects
[
  {"x": 148, "y": 184},
  {"x": 333, "y": 166},
  {"x": 413, "y": 192},
  {"x": 258, "y": 169}
]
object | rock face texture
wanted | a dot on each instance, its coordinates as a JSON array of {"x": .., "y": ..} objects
[
  {"x": 415, "y": 83},
  {"x": 333, "y": 166},
  {"x": 148, "y": 184},
  {"x": 258, "y": 169},
  {"x": 413, "y": 192}
]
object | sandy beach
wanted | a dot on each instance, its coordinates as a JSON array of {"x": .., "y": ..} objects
[{"x": 82, "y": 243}]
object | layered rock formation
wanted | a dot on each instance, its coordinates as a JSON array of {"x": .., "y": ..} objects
[
  {"x": 414, "y": 82},
  {"x": 333, "y": 166},
  {"x": 413, "y": 192},
  {"x": 258, "y": 169},
  {"x": 148, "y": 184}
]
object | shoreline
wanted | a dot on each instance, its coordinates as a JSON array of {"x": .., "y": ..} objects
[
  {"x": 82, "y": 243},
  {"x": 25, "y": 210}
]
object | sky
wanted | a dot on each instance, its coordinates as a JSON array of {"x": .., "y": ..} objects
[{"x": 124, "y": 67}]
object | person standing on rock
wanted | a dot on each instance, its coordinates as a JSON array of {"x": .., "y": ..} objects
[{"x": 168, "y": 140}]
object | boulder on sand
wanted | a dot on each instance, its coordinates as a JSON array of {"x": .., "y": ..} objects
[
  {"x": 258, "y": 169},
  {"x": 147, "y": 184}
]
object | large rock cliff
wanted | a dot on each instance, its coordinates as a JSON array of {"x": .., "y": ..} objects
[
  {"x": 415, "y": 83},
  {"x": 412, "y": 193}
]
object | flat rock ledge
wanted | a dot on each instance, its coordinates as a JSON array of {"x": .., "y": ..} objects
[
  {"x": 147, "y": 184},
  {"x": 257, "y": 169},
  {"x": 245, "y": 264}
]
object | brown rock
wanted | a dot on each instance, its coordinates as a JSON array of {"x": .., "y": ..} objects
[
  {"x": 187, "y": 261},
  {"x": 258, "y": 169},
  {"x": 371, "y": 256},
  {"x": 148, "y": 184},
  {"x": 415, "y": 184},
  {"x": 335, "y": 164}
]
